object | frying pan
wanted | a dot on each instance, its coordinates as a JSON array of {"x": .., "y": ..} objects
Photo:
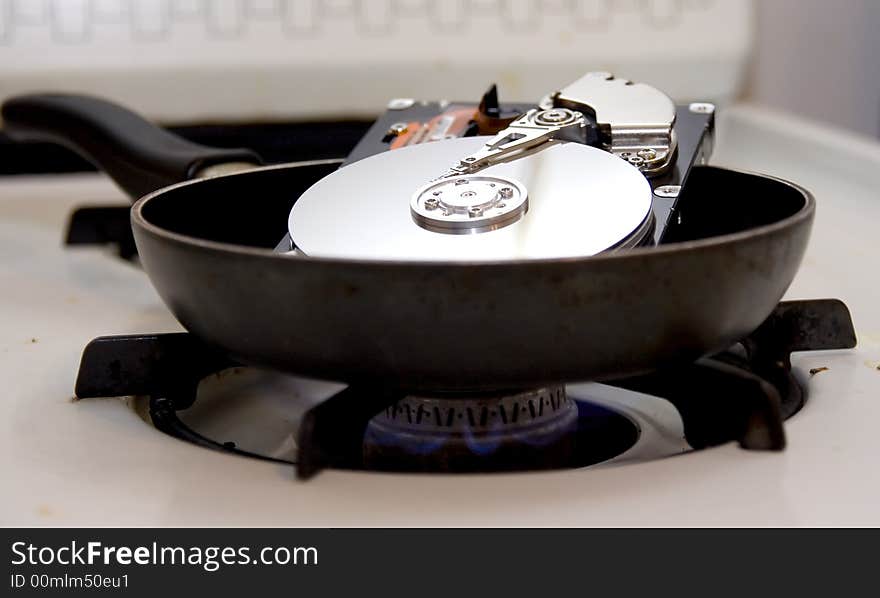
[{"x": 206, "y": 244}]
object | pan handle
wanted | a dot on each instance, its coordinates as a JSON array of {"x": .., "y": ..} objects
[{"x": 140, "y": 156}]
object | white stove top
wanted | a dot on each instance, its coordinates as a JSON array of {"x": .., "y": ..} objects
[{"x": 95, "y": 462}]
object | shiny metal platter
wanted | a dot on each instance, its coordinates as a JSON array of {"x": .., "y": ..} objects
[{"x": 567, "y": 200}]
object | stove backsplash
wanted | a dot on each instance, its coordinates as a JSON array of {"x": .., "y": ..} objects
[{"x": 208, "y": 60}]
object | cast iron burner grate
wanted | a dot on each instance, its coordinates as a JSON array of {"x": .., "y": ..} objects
[{"x": 742, "y": 394}]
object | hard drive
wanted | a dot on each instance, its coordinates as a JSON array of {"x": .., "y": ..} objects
[{"x": 594, "y": 167}]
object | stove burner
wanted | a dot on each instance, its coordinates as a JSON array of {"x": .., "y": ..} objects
[
  {"x": 742, "y": 395},
  {"x": 532, "y": 429}
]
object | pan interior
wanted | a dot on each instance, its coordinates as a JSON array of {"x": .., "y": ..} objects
[
  {"x": 580, "y": 201},
  {"x": 251, "y": 208}
]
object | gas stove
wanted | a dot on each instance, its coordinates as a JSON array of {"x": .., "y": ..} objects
[{"x": 579, "y": 454}]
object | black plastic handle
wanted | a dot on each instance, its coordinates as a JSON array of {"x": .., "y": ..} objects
[{"x": 140, "y": 156}]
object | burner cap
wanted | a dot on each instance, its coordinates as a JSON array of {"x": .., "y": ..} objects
[
  {"x": 567, "y": 200},
  {"x": 533, "y": 429}
]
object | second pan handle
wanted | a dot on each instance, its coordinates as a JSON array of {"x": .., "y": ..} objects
[{"x": 140, "y": 156}]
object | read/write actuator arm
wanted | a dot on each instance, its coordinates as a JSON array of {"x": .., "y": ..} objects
[{"x": 631, "y": 120}]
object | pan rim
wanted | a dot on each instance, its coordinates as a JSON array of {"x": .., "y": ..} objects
[{"x": 138, "y": 220}]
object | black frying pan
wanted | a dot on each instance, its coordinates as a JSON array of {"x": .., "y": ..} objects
[{"x": 207, "y": 247}]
